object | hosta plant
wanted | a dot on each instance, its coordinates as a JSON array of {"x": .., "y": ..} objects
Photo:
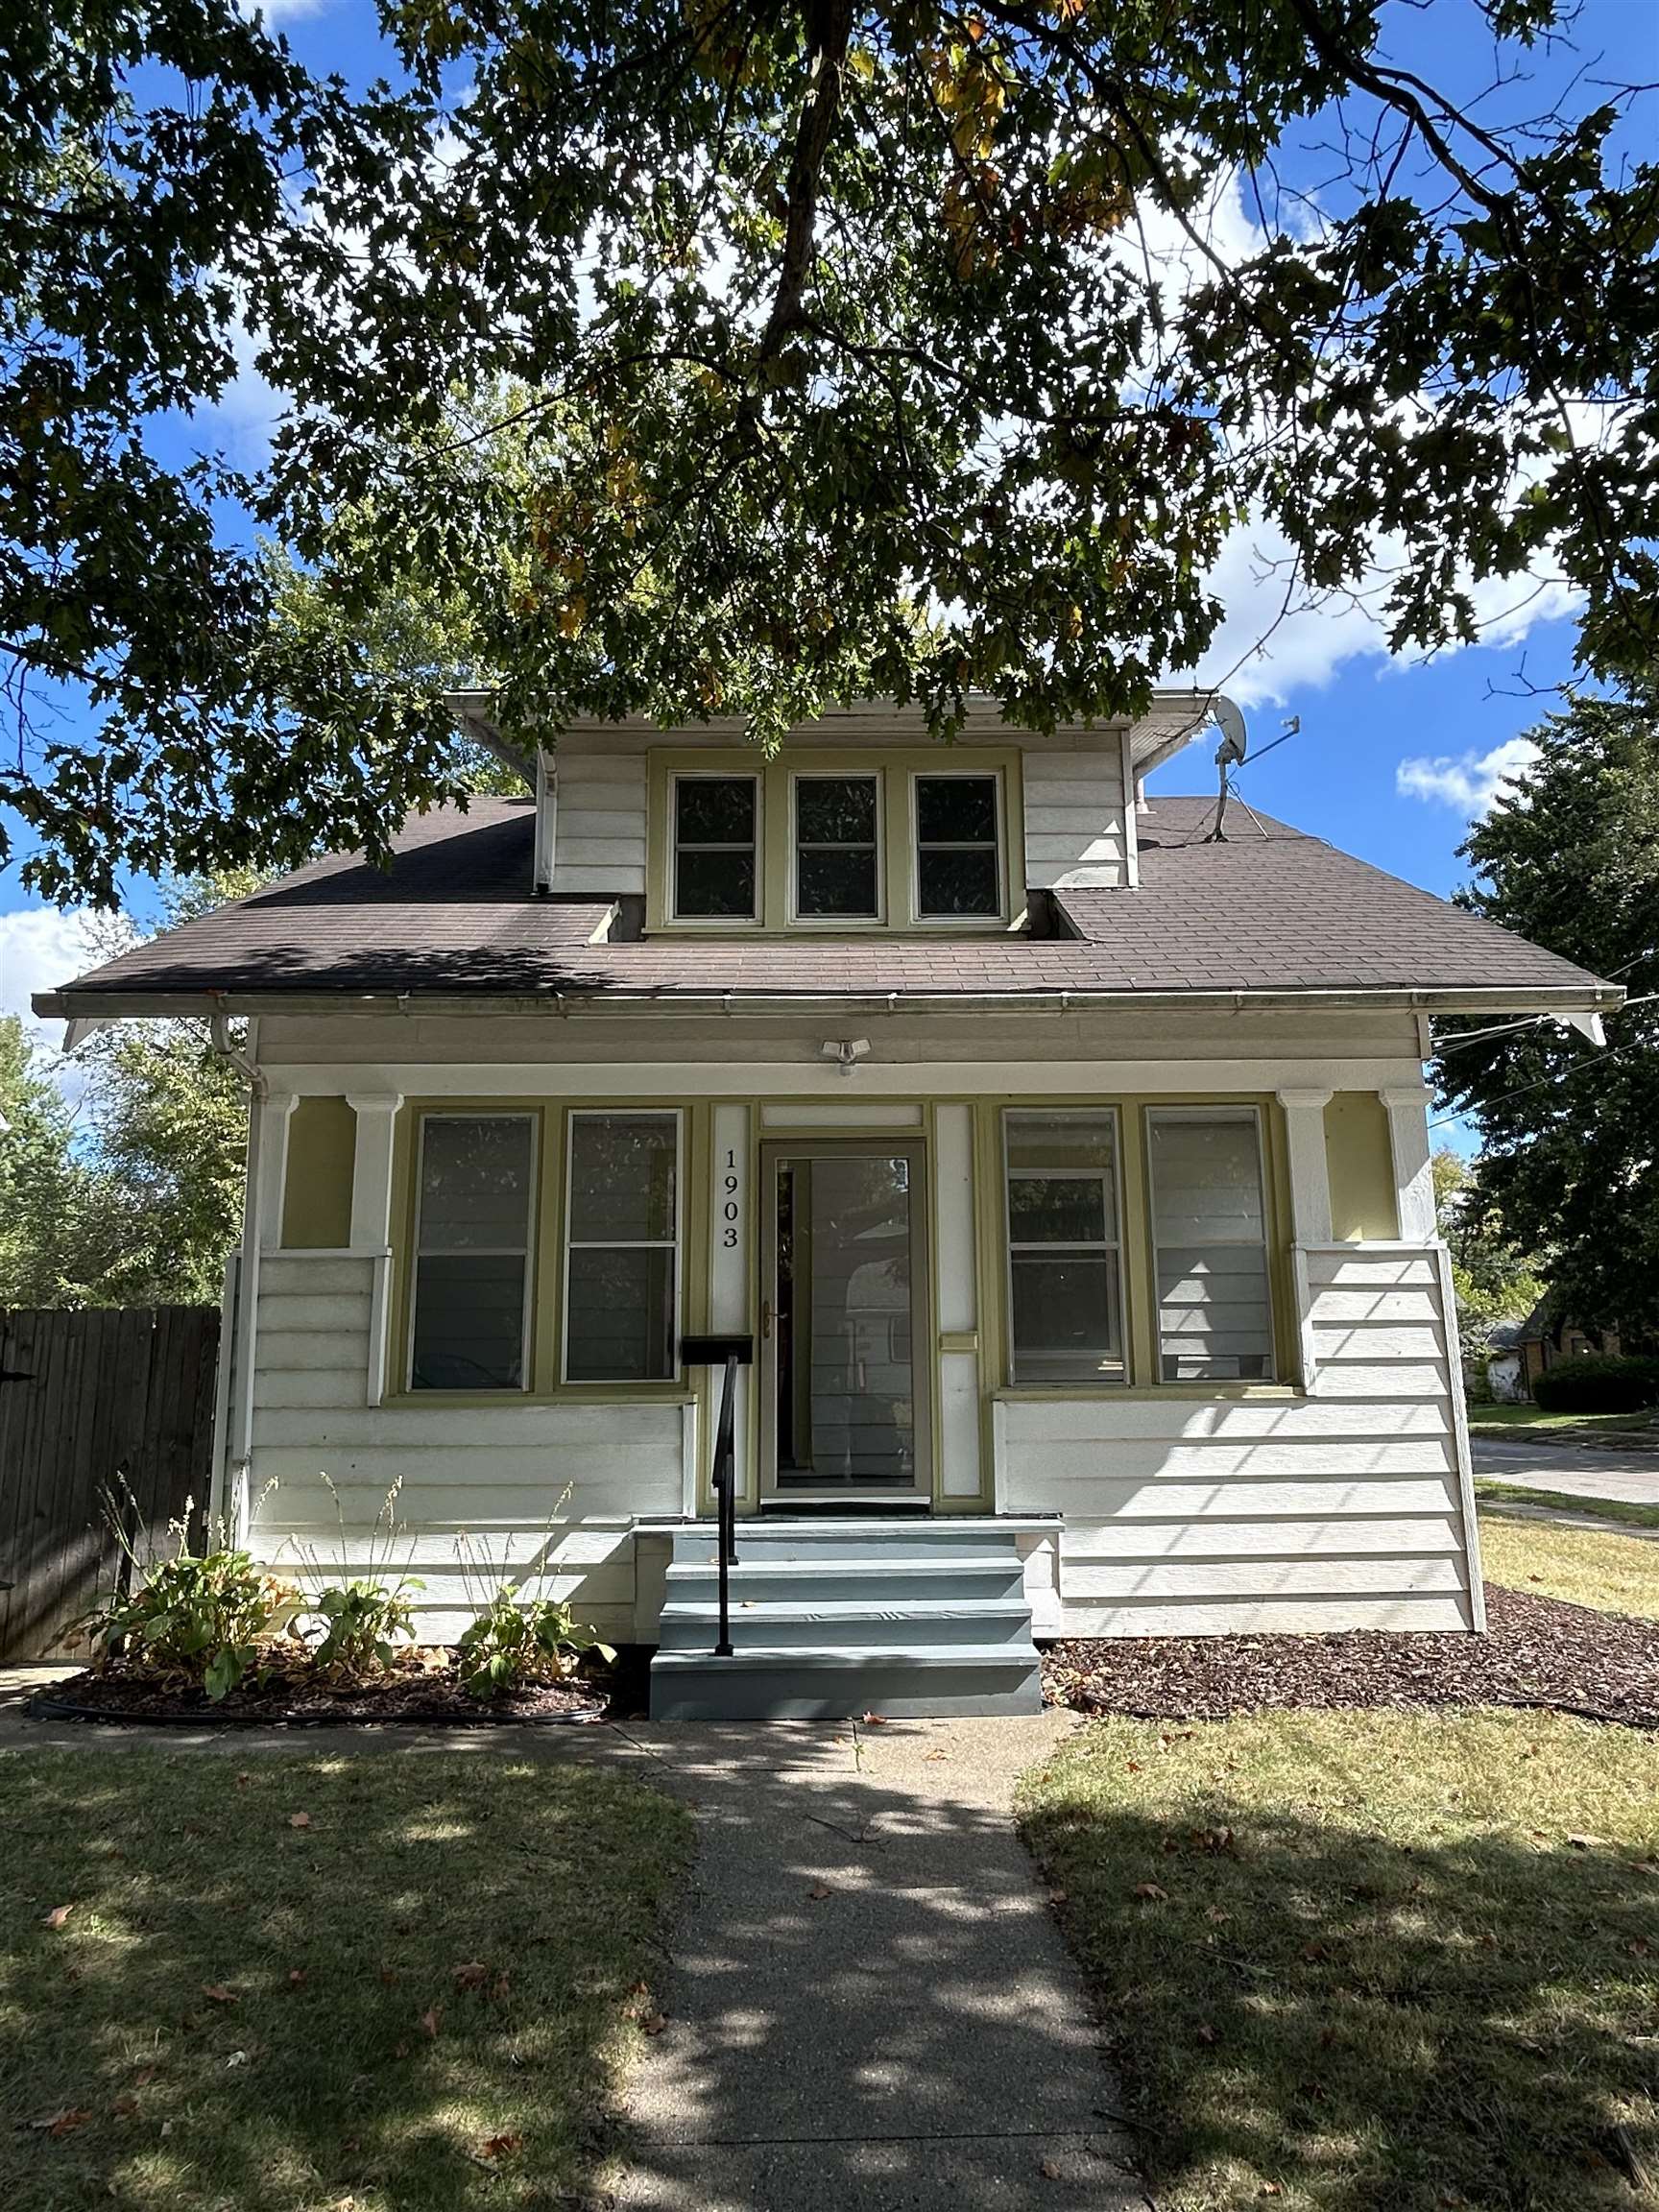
[
  {"x": 359, "y": 1623},
  {"x": 199, "y": 1615},
  {"x": 518, "y": 1640}
]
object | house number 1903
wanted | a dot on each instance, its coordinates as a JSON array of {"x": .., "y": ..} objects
[{"x": 731, "y": 1211}]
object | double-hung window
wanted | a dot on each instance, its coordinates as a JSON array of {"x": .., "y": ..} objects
[
  {"x": 716, "y": 824},
  {"x": 959, "y": 855},
  {"x": 1209, "y": 1234},
  {"x": 621, "y": 1247},
  {"x": 1064, "y": 1262},
  {"x": 472, "y": 1242},
  {"x": 837, "y": 847}
]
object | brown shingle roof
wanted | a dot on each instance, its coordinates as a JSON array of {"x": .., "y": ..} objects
[{"x": 1273, "y": 910}]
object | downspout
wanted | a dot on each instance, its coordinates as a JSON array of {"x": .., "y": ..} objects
[{"x": 232, "y": 1474}]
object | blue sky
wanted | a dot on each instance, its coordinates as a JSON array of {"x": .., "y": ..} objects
[{"x": 1391, "y": 760}]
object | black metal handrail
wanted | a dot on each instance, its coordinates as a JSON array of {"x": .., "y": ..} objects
[{"x": 731, "y": 1352}]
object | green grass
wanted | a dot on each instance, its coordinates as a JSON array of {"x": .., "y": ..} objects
[
  {"x": 1613, "y": 1573},
  {"x": 1352, "y": 1960},
  {"x": 1633, "y": 1514},
  {"x": 242, "y": 2014},
  {"x": 1535, "y": 1417}
]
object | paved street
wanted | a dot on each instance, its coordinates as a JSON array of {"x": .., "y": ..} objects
[{"x": 1583, "y": 1471}]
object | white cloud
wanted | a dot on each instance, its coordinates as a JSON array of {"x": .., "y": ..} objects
[
  {"x": 280, "y": 11},
  {"x": 39, "y": 948},
  {"x": 1470, "y": 782}
]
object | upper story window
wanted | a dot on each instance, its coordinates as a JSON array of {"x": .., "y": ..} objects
[
  {"x": 1065, "y": 1252},
  {"x": 1210, "y": 1233},
  {"x": 959, "y": 848},
  {"x": 472, "y": 1252},
  {"x": 837, "y": 847},
  {"x": 716, "y": 822}
]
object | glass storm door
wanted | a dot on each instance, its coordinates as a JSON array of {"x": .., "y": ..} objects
[{"x": 843, "y": 1335}]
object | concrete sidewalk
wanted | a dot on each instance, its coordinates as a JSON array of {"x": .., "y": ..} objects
[{"x": 871, "y": 2007}]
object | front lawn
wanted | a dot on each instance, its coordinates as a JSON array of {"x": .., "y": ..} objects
[
  {"x": 399, "y": 1981},
  {"x": 1524, "y": 1417},
  {"x": 1611, "y": 1573},
  {"x": 1366, "y": 1959}
]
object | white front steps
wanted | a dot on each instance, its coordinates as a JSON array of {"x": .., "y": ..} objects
[{"x": 833, "y": 1618}]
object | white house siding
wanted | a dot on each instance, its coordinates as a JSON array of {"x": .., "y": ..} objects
[
  {"x": 493, "y": 1475},
  {"x": 1074, "y": 816},
  {"x": 600, "y": 837},
  {"x": 1342, "y": 1509}
]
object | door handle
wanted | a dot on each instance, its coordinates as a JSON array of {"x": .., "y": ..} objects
[{"x": 765, "y": 1317}]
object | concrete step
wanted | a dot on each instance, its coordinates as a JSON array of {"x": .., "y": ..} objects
[
  {"x": 830, "y": 1683},
  {"x": 770, "y": 1541},
  {"x": 856, "y": 1625},
  {"x": 835, "y": 1580}
]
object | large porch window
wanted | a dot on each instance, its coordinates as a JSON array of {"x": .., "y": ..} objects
[
  {"x": 472, "y": 1252},
  {"x": 622, "y": 1247},
  {"x": 1065, "y": 1254},
  {"x": 1210, "y": 1233}
]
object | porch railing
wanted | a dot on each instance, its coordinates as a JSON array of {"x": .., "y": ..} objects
[{"x": 729, "y": 1353}]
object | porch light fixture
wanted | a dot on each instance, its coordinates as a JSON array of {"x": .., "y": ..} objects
[{"x": 846, "y": 1051}]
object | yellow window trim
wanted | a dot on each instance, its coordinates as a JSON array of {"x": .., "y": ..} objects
[{"x": 895, "y": 772}]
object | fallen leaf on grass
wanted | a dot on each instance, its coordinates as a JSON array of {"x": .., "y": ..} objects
[
  {"x": 144, "y": 2077},
  {"x": 499, "y": 1987},
  {"x": 500, "y": 2146},
  {"x": 1152, "y": 1893},
  {"x": 388, "y": 1975},
  {"x": 874, "y": 1719},
  {"x": 61, "y": 2123},
  {"x": 295, "y": 1977},
  {"x": 216, "y": 1993},
  {"x": 1050, "y": 2169},
  {"x": 125, "y": 2107},
  {"x": 1206, "y": 2033},
  {"x": 236, "y": 2058},
  {"x": 471, "y": 1974},
  {"x": 298, "y": 1819},
  {"x": 820, "y": 1890},
  {"x": 1586, "y": 1843},
  {"x": 652, "y": 2024},
  {"x": 57, "y": 1917},
  {"x": 428, "y": 2021}
]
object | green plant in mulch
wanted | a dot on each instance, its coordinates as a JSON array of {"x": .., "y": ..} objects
[
  {"x": 359, "y": 1624},
  {"x": 516, "y": 1641},
  {"x": 201, "y": 1616}
]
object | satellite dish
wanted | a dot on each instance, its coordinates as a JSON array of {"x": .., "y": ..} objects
[{"x": 1229, "y": 753}]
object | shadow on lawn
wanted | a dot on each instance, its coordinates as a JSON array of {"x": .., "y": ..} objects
[
  {"x": 1361, "y": 2024},
  {"x": 249, "y": 2010}
]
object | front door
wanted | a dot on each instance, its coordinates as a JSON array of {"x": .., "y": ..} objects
[{"x": 843, "y": 1335}]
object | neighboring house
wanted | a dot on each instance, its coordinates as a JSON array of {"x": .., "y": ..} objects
[
  {"x": 1546, "y": 1337},
  {"x": 1503, "y": 1363},
  {"x": 1070, "y": 1171}
]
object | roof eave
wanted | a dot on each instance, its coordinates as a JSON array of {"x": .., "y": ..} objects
[{"x": 615, "y": 998}]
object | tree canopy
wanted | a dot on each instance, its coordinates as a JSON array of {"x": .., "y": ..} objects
[
  {"x": 1569, "y": 1160},
  {"x": 727, "y": 357}
]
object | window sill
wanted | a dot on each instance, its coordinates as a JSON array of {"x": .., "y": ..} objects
[
  {"x": 567, "y": 1394},
  {"x": 1147, "y": 1394}
]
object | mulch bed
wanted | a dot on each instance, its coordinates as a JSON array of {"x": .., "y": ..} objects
[
  {"x": 408, "y": 1692},
  {"x": 1537, "y": 1652}
]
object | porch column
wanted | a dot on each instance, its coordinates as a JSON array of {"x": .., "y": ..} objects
[
  {"x": 1407, "y": 1111},
  {"x": 1310, "y": 1171},
  {"x": 959, "y": 1350},
  {"x": 372, "y": 1221},
  {"x": 272, "y": 1167}
]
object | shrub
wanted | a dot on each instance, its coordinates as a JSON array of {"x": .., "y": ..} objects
[
  {"x": 359, "y": 1621},
  {"x": 1597, "y": 1383},
  {"x": 199, "y": 1615},
  {"x": 520, "y": 1640}
]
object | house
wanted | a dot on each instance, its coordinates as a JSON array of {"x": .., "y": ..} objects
[
  {"x": 1069, "y": 1170},
  {"x": 1547, "y": 1335}
]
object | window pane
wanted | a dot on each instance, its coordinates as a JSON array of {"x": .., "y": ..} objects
[
  {"x": 1057, "y": 1209},
  {"x": 474, "y": 1182},
  {"x": 620, "y": 1326},
  {"x": 1076, "y": 1143},
  {"x": 468, "y": 1322},
  {"x": 956, "y": 809},
  {"x": 1206, "y": 1177},
  {"x": 835, "y": 810},
  {"x": 621, "y": 1178},
  {"x": 1065, "y": 1323},
  {"x": 1214, "y": 1313},
  {"x": 830, "y": 882},
  {"x": 715, "y": 883},
  {"x": 714, "y": 810},
  {"x": 950, "y": 883}
]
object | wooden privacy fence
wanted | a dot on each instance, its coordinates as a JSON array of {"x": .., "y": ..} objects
[{"x": 88, "y": 1401}]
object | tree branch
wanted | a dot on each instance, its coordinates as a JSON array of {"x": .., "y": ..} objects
[{"x": 830, "y": 25}]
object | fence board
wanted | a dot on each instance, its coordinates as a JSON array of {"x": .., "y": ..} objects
[{"x": 95, "y": 1400}]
